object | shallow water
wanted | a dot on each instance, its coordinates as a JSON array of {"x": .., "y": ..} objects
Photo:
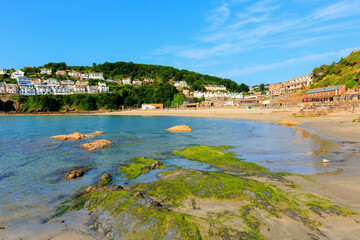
[{"x": 31, "y": 183}]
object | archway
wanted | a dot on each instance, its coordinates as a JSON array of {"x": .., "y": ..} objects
[{"x": 9, "y": 106}]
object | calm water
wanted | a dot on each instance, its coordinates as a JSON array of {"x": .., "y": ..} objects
[{"x": 31, "y": 163}]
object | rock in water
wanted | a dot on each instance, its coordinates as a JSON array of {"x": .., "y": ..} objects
[
  {"x": 289, "y": 123},
  {"x": 74, "y": 136},
  {"x": 97, "y": 133},
  {"x": 76, "y": 173},
  {"x": 97, "y": 144},
  {"x": 179, "y": 128}
]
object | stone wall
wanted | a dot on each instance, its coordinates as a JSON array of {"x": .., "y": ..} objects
[{"x": 323, "y": 108}]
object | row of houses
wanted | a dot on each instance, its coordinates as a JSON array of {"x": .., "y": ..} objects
[
  {"x": 206, "y": 95},
  {"x": 28, "y": 86},
  {"x": 291, "y": 85}
]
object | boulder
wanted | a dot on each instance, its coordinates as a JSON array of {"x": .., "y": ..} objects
[
  {"x": 289, "y": 123},
  {"x": 76, "y": 173},
  {"x": 74, "y": 136},
  {"x": 97, "y": 144},
  {"x": 179, "y": 128},
  {"x": 97, "y": 133}
]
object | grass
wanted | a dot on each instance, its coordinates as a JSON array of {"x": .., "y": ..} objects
[{"x": 138, "y": 167}]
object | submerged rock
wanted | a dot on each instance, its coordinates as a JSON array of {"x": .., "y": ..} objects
[
  {"x": 179, "y": 128},
  {"x": 97, "y": 133},
  {"x": 289, "y": 123},
  {"x": 76, "y": 173},
  {"x": 97, "y": 144}
]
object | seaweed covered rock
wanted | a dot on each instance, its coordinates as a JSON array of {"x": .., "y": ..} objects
[
  {"x": 179, "y": 128},
  {"x": 97, "y": 144},
  {"x": 139, "y": 166},
  {"x": 71, "y": 174}
]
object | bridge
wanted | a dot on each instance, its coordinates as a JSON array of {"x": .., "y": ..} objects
[{"x": 8, "y": 103}]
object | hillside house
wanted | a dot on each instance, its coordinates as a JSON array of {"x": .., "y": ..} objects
[
  {"x": 24, "y": 81},
  {"x": 11, "y": 88},
  {"x": 17, "y": 73},
  {"x": 95, "y": 75},
  {"x": 79, "y": 88},
  {"x": 103, "y": 88},
  {"x": 323, "y": 94},
  {"x": 214, "y": 88},
  {"x": 3, "y": 87},
  {"x": 66, "y": 82},
  {"x": 61, "y": 73},
  {"x": 46, "y": 71},
  {"x": 126, "y": 81},
  {"x": 74, "y": 74},
  {"x": 3, "y": 71},
  {"x": 27, "y": 90},
  {"x": 92, "y": 89},
  {"x": 148, "y": 80},
  {"x": 137, "y": 82},
  {"x": 43, "y": 89},
  {"x": 51, "y": 82},
  {"x": 298, "y": 83},
  {"x": 61, "y": 90},
  {"x": 84, "y": 76},
  {"x": 181, "y": 84}
]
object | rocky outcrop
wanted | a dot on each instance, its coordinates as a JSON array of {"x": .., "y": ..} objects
[
  {"x": 179, "y": 128},
  {"x": 76, "y": 136},
  {"x": 289, "y": 123},
  {"x": 76, "y": 173},
  {"x": 97, "y": 144}
]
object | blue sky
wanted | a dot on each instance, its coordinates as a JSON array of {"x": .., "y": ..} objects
[{"x": 247, "y": 41}]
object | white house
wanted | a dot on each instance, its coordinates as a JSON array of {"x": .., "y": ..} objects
[
  {"x": 92, "y": 89},
  {"x": 137, "y": 82},
  {"x": 17, "y": 73},
  {"x": 66, "y": 82},
  {"x": 215, "y": 88},
  {"x": 3, "y": 87},
  {"x": 3, "y": 71},
  {"x": 103, "y": 88},
  {"x": 181, "y": 84},
  {"x": 52, "y": 82},
  {"x": 24, "y": 81},
  {"x": 126, "y": 81},
  {"x": 47, "y": 71},
  {"x": 27, "y": 90},
  {"x": 84, "y": 76},
  {"x": 11, "y": 88},
  {"x": 94, "y": 75},
  {"x": 60, "y": 72},
  {"x": 74, "y": 74},
  {"x": 43, "y": 89},
  {"x": 148, "y": 80},
  {"x": 61, "y": 90},
  {"x": 79, "y": 88}
]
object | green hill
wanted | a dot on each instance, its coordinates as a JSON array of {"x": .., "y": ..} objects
[{"x": 343, "y": 72}]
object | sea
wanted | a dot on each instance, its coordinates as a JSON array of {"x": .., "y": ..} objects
[{"x": 32, "y": 163}]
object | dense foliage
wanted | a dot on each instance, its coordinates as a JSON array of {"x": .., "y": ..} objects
[
  {"x": 343, "y": 72},
  {"x": 125, "y": 96}
]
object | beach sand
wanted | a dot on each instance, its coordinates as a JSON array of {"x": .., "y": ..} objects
[{"x": 342, "y": 187}]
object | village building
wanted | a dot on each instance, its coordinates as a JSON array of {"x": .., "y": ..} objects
[
  {"x": 61, "y": 90},
  {"x": 103, "y": 88},
  {"x": 27, "y": 90},
  {"x": 74, "y": 74},
  {"x": 109, "y": 80},
  {"x": 276, "y": 89},
  {"x": 3, "y": 71},
  {"x": 24, "y": 81},
  {"x": 66, "y": 82},
  {"x": 61, "y": 72},
  {"x": 148, "y": 80},
  {"x": 323, "y": 94},
  {"x": 43, "y": 89},
  {"x": 137, "y": 82},
  {"x": 17, "y": 73},
  {"x": 51, "y": 82},
  {"x": 92, "y": 89},
  {"x": 152, "y": 106},
  {"x": 46, "y": 71},
  {"x": 36, "y": 81},
  {"x": 95, "y": 75},
  {"x": 3, "y": 87},
  {"x": 79, "y": 89},
  {"x": 11, "y": 88},
  {"x": 126, "y": 81},
  {"x": 298, "y": 83},
  {"x": 215, "y": 88},
  {"x": 181, "y": 84},
  {"x": 84, "y": 76}
]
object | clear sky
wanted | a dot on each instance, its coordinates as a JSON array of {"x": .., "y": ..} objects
[{"x": 245, "y": 40}]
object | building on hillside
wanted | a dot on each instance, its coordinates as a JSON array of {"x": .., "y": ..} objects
[
  {"x": 36, "y": 81},
  {"x": 95, "y": 75},
  {"x": 11, "y": 88},
  {"x": 215, "y": 88},
  {"x": 103, "y": 88},
  {"x": 61, "y": 90},
  {"x": 61, "y": 72},
  {"x": 82, "y": 83},
  {"x": 276, "y": 89},
  {"x": 84, "y": 76},
  {"x": 323, "y": 94},
  {"x": 3, "y": 87},
  {"x": 148, "y": 80},
  {"x": 74, "y": 74},
  {"x": 109, "y": 80},
  {"x": 27, "y": 90},
  {"x": 17, "y": 73},
  {"x": 92, "y": 89},
  {"x": 43, "y": 89},
  {"x": 24, "y": 81},
  {"x": 79, "y": 88},
  {"x": 152, "y": 106},
  {"x": 51, "y": 82},
  {"x": 137, "y": 82},
  {"x": 3, "y": 71},
  {"x": 181, "y": 84},
  {"x": 298, "y": 83},
  {"x": 126, "y": 81},
  {"x": 46, "y": 71},
  {"x": 66, "y": 82}
]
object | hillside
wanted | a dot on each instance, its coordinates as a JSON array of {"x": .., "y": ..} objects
[
  {"x": 343, "y": 72},
  {"x": 119, "y": 70}
]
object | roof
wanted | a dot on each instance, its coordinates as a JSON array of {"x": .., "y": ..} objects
[{"x": 325, "y": 89}]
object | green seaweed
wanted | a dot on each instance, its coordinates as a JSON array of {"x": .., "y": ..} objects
[{"x": 138, "y": 167}]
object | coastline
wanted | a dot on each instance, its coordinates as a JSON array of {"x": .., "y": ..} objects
[{"x": 342, "y": 188}]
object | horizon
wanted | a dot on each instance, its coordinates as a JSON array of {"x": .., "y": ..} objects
[{"x": 266, "y": 41}]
